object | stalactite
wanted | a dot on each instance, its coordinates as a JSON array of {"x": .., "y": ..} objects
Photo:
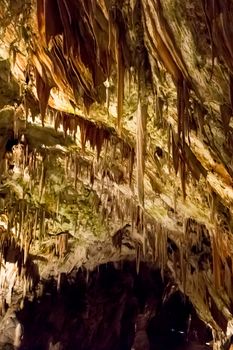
[
  {"x": 107, "y": 95},
  {"x": 42, "y": 179},
  {"x": 141, "y": 149},
  {"x": 71, "y": 126},
  {"x": 24, "y": 286},
  {"x": 181, "y": 104},
  {"x": 93, "y": 133},
  {"x": 99, "y": 142},
  {"x": 132, "y": 216},
  {"x": 161, "y": 247},
  {"x": 11, "y": 215},
  {"x": 159, "y": 109},
  {"x": 231, "y": 89},
  {"x": 138, "y": 257},
  {"x": 65, "y": 123},
  {"x": 43, "y": 92},
  {"x": 57, "y": 205},
  {"x": 114, "y": 148},
  {"x": 92, "y": 175},
  {"x": 52, "y": 19},
  {"x": 70, "y": 164},
  {"x": 178, "y": 147},
  {"x": 15, "y": 222},
  {"x": 75, "y": 161},
  {"x": 35, "y": 223},
  {"x": 213, "y": 202},
  {"x": 27, "y": 248},
  {"x": 208, "y": 24},
  {"x": 87, "y": 172},
  {"x": 51, "y": 116},
  {"x": 21, "y": 219},
  {"x": 183, "y": 268},
  {"x": 41, "y": 224},
  {"x": 15, "y": 125},
  {"x": 131, "y": 164},
  {"x": 183, "y": 177},
  {"x": 23, "y": 160},
  {"x": 66, "y": 166},
  {"x": 120, "y": 83},
  {"x": 175, "y": 153},
  {"x": 169, "y": 136},
  {"x": 57, "y": 120},
  {"x": 152, "y": 241},
  {"x": 144, "y": 240},
  {"x": 228, "y": 278},
  {"x": 40, "y": 17},
  {"x": 62, "y": 244},
  {"x": 82, "y": 127},
  {"x": 75, "y": 226},
  {"x": 26, "y": 155},
  {"x": 30, "y": 163},
  {"x": 216, "y": 261},
  {"x": 37, "y": 167}
]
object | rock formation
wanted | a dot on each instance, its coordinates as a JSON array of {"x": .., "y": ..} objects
[{"x": 116, "y": 142}]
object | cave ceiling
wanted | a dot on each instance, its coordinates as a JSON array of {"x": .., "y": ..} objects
[{"x": 116, "y": 141}]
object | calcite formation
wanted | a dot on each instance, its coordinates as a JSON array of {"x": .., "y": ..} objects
[{"x": 116, "y": 142}]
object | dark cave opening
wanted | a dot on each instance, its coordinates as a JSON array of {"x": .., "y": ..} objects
[{"x": 111, "y": 308}]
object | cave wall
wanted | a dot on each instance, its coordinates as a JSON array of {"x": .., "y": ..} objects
[{"x": 117, "y": 140}]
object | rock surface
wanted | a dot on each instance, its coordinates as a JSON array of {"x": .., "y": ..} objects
[{"x": 116, "y": 141}]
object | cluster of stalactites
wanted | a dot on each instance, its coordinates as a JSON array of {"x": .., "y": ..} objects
[
  {"x": 97, "y": 135},
  {"x": 142, "y": 232},
  {"x": 29, "y": 219},
  {"x": 82, "y": 58},
  {"x": 115, "y": 207},
  {"x": 220, "y": 240},
  {"x": 79, "y": 26},
  {"x": 17, "y": 269}
]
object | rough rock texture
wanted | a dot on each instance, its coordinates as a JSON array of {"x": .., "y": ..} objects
[{"x": 116, "y": 141}]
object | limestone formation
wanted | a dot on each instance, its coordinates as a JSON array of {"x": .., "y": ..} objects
[{"x": 116, "y": 142}]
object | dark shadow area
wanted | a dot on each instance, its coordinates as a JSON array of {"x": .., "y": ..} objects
[
  {"x": 111, "y": 309},
  {"x": 177, "y": 326}
]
